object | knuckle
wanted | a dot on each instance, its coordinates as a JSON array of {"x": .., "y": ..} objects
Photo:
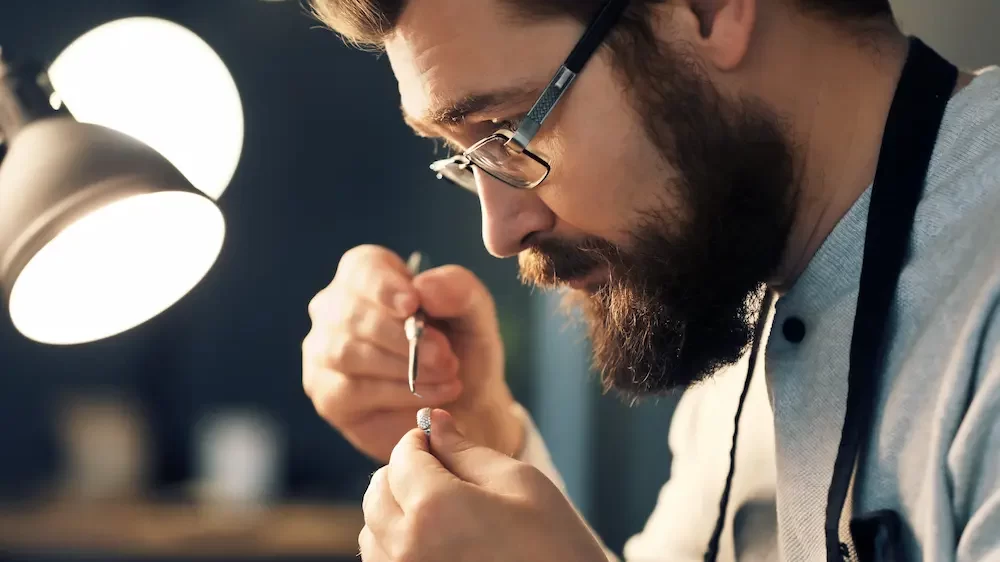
[
  {"x": 365, "y": 540},
  {"x": 325, "y": 306},
  {"x": 360, "y": 255},
  {"x": 351, "y": 256},
  {"x": 384, "y": 288},
  {"x": 462, "y": 275},
  {"x": 348, "y": 353},
  {"x": 461, "y": 272},
  {"x": 374, "y": 492},
  {"x": 527, "y": 473},
  {"x": 315, "y": 304},
  {"x": 532, "y": 480},
  {"x": 466, "y": 278},
  {"x": 361, "y": 319},
  {"x": 398, "y": 458},
  {"x": 405, "y": 547},
  {"x": 308, "y": 382},
  {"x": 330, "y": 403},
  {"x": 360, "y": 352},
  {"x": 338, "y": 346},
  {"x": 384, "y": 285},
  {"x": 310, "y": 347},
  {"x": 429, "y": 508},
  {"x": 310, "y": 356},
  {"x": 374, "y": 270}
]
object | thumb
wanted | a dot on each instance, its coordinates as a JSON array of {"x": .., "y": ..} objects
[{"x": 462, "y": 457}]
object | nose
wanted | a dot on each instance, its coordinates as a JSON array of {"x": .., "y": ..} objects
[{"x": 510, "y": 215}]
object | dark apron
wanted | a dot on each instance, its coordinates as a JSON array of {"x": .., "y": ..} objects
[{"x": 911, "y": 131}]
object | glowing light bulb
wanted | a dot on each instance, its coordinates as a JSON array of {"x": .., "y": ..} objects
[
  {"x": 117, "y": 267},
  {"x": 162, "y": 84}
]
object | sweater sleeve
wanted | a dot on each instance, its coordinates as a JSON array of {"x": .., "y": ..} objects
[
  {"x": 535, "y": 453},
  {"x": 974, "y": 458},
  {"x": 687, "y": 505}
]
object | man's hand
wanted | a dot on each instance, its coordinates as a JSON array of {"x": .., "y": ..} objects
[
  {"x": 354, "y": 360},
  {"x": 452, "y": 500}
]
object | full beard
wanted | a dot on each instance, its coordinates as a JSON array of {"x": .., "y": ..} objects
[{"x": 681, "y": 300}]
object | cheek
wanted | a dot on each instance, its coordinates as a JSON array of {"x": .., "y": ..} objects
[{"x": 603, "y": 178}]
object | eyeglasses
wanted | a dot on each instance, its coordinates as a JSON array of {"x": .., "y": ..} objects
[{"x": 504, "y": 155}]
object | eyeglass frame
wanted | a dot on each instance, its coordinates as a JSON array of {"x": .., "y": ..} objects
[{"x": 517, "y": 141}]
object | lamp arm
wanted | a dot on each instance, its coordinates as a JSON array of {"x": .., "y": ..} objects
[{"x": 26, "y": 95}]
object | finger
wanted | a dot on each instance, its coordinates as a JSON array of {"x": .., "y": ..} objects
[
  {"x": 465, "y": 459},
  {"x": 414, "y": 473},
  {"x": 455, "y": 294},
  {"x": 371, "y": 322},
  {"x": 369, "y": 549},
  {"x": 362, "y": 355},
  {"x": 338, "y": 397},
  {"x": 347, "y": 353},
  {"x": 382, "y": 513},
  {"x": 380, "y": 276}
]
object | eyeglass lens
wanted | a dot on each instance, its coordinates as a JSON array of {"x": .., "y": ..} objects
[{"x": 516, "y": 169}]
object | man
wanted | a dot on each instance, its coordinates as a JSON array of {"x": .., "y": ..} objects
[{"x": 708, "y": 155}]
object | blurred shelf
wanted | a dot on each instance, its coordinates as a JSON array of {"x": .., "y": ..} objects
[{"x": 182, "y": 530}]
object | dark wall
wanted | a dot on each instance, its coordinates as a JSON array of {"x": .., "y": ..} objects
[{"x": 327, "y": 164}]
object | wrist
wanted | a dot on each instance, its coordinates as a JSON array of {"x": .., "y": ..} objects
[{"x": 505, "y": 429}]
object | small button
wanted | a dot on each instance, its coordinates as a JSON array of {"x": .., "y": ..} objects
[{"x": 794, "y": 330}]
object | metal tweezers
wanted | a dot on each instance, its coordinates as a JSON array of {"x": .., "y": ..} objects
[{"x": 414, "y": 325}]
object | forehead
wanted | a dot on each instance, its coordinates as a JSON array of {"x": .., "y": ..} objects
[{"x": 443, "y": 51}]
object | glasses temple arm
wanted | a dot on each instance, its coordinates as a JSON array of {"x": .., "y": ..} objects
[{"x": 596, "y": 32}]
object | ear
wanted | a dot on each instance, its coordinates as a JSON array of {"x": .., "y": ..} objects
[{"x": 719, "y": 30}]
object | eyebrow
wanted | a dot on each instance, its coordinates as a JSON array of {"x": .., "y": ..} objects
[{"x": 456, "y": 112}]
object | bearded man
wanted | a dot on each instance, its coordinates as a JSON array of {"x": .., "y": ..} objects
[{"x": 691, "y": 173}]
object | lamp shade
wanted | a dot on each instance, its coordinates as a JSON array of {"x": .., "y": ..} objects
[
  {"x": 161, "y": 83},
  {"x": 98, "y": 231}
]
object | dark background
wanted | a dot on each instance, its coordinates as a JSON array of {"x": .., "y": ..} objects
[{"x": 327, "y": 164}]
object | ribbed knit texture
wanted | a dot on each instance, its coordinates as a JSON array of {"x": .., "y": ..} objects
[{"x": 935, "y": 444}]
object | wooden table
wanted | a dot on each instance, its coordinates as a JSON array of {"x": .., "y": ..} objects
[{"x": 183, "y": 531}]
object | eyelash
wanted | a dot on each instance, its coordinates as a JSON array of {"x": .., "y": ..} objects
[{"x": 508, "y": 124}]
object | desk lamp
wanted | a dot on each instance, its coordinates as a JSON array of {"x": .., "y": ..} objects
[{"x": 99, "y": 231}]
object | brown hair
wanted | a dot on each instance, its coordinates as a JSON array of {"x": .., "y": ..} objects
[{"x": 369, "y": 22}]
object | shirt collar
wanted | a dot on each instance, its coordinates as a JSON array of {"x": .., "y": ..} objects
[{"x": 835, "y": 269}]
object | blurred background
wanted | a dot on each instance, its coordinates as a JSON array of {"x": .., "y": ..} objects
[{"x": 133, "y": 447}]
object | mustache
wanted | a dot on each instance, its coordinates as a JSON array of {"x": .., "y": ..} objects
[{"x": 549, "y": 263}]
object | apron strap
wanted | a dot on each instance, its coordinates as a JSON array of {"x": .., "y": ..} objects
[{"x": 911, "y": 131}]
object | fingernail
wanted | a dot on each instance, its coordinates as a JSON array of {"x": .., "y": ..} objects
[{"x": 445, "y": 423}]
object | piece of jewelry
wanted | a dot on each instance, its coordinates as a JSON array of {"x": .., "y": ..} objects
[{"x": 424, "y": 420}]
